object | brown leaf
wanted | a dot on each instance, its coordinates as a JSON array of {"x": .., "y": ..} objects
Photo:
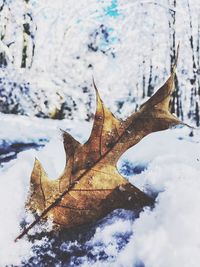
[{"x": 91, "y": 185}]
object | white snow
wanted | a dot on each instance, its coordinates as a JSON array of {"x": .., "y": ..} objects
[
  {"x": 139, "y": 36},
  {"x": 13, "y": 192},
  {"x": 15, "y": 176},
  {"x": 168, "y": 235}
]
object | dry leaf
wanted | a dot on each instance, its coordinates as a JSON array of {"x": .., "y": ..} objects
[{"x": 92, "y": 183}]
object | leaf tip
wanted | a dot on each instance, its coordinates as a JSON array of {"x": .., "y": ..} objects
[{"x": 98, "y": 98}]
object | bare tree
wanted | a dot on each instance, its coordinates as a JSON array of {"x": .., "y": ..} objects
[
  {"x": 28, "y": 37},
  {"x": 176, "y": 105}
]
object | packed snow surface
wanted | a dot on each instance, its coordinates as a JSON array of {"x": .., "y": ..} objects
[{"x": 165, "y": 164}]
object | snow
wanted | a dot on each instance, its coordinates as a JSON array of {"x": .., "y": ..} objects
[
  {"x": 167, "y": 235},
  {"x": 116, "y": 42},
  {"x": 13, "y": 192},
  {"x": 18, "y": 128},
  {"x": 15, "y": 177}
]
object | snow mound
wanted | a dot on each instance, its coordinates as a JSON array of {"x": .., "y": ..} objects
[{"x": 167, "y": 235}]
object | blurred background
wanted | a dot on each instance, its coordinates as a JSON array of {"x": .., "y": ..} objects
[{"x": 50, "y": 50}]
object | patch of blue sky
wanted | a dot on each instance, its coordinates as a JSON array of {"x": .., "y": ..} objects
[{"x": 112, "y": 10}]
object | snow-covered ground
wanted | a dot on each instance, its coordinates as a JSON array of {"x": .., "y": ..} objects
[{"x": 166, "y": 164}]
